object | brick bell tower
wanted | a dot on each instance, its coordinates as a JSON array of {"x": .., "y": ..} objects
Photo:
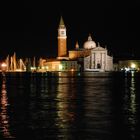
[{"x": 62, "y": 39}]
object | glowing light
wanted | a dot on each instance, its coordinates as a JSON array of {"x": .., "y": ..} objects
[
  {"x": 133, "y": 65},
  {"x": 127, "y": 69},
  {"x": 72, "y": 69},
  {"x": 3, "y": 65},
  {"x": 19, "y": 70},
  {"x": 79, "y": 73},
  {"x": 33, "y": 68},
  {"x": 4, "y": 121},
  {"x": 43, "y": 67},
  {"x": 60, "y": 66}
]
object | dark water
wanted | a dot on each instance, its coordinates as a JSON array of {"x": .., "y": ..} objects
[{"x": 70, "y": 106}]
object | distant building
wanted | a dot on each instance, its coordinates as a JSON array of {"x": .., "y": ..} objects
[
  {"x": 61, "y": 65},
  {"x": 90, "y": 57},
  {"x": 98, "y": 58},
  {"x": 78, "y": 52},
  {"x": 95, "y": 58},
  {"x": 62, "y": 40},
  {"x": 127, "y": 65},
  {"x": 62, "y": 62}
]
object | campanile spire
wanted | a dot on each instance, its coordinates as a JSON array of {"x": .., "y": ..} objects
[
  {"x": 61, "y": 22},
  {"x": 62, "y": 39}
]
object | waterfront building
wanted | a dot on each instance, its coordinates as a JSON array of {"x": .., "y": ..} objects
[
  {"x": 95, "y": 57},
  {"x": 98, "y": 60},
  {"x": 62, "y": 62},
  {"x": 62, "y": 41},
  {"x": 78, "y": 52},
  {"x": 128, "y": 65},
  {"x": 61, "y": 65},
  {"x": 90, "y": 57}
]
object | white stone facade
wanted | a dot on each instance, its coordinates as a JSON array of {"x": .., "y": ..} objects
[{"x": 98, "y": 60}]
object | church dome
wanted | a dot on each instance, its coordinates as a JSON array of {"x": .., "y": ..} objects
[{"x": 89, "y": 44}]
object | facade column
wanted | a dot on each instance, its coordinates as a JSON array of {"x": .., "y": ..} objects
[
  {"x": 91, "y": 61},
  {"x": 101, "y": 63},
  {"x": 94, "y": 61},
  {"x": 105, "y": 61}
]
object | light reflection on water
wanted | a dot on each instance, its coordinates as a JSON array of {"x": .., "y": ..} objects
[
  {"x": 130, "y": 110},
  {"x": 65, "y": 108},
  {"x": 69, "y": 106},
  {"x": 4, "y": 118}
]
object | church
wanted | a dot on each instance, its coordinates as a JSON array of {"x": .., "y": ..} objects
[
  {"x": 98, "y": 59},
  {"x": 95, "y": 57},
  {"x": 90, "y": 57}
]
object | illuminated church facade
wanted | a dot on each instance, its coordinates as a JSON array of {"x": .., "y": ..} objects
[{"x": 91, "y": 57}]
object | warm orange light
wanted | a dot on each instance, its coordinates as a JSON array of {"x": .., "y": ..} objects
[
  {"x": 72, "y": 69},
  {"x": 3, "y": 65},
  {"x": 133, "y": 65}
]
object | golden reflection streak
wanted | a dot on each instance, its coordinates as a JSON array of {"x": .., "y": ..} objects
[
  {"x": 4, "y": 122},
  {"x": 64, "y": 106}
]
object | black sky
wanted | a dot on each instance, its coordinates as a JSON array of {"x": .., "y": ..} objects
[{"x": 30, "y": 28}]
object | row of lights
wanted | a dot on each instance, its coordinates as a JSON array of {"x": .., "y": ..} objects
[
  {"x": 53, "y": 68},
  {"x": 132, "y": 67}
]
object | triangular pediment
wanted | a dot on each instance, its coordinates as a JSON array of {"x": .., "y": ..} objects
[{"x": 99, "y": 49}]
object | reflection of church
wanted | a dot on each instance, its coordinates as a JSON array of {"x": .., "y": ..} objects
[{"x": 91, "y": 57}]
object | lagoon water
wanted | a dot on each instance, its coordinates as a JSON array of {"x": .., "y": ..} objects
[{"x": 70, "y": 106}]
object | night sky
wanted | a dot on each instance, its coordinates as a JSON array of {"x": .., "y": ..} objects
[{"x": 30, "y": 28}]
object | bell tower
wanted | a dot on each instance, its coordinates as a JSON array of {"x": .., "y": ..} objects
[{"x": 62, "y": 39}]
